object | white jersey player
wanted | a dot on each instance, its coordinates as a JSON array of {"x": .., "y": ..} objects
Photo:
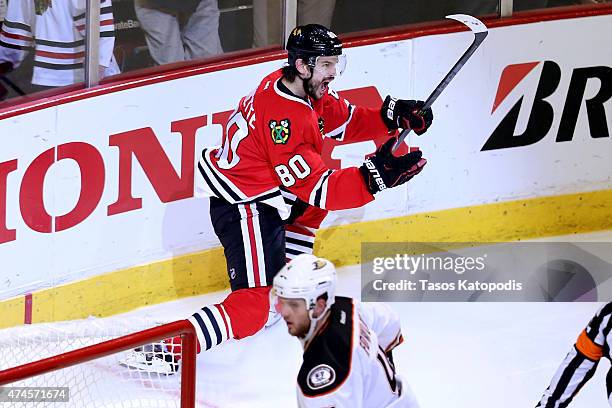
[
  {"x": 581, "y": 362},
  {"x": 347, "y": 344}
]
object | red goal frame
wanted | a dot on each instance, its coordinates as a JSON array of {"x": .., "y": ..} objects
[{"x": 179, "y": 328}]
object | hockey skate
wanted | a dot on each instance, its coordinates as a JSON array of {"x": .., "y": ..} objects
[{"x": 152, "y": 358}]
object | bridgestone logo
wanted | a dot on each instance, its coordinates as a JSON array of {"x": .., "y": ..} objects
[{"x": 376, "y": 174}]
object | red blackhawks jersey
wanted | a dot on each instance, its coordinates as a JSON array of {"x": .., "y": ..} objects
[{"x": 275, "y": 138}]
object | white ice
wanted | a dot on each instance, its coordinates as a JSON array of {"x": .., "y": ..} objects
[{"x": 459, "y": 355}]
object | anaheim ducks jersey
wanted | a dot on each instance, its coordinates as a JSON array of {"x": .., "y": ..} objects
[
  {"x": 275, "y": 138},
  {"x": 348, "y": 362},
  {"x": 581, "y": 362},
  {"x": 55, "y": 31}
]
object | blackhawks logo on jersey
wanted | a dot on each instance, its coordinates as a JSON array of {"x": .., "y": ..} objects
[{"x": 280, "y": 131}]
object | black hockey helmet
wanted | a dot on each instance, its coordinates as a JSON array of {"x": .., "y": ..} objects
[{"x": 310, "y": 41}]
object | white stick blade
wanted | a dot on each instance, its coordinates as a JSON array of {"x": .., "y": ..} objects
[{"x": 472, "y": 23}]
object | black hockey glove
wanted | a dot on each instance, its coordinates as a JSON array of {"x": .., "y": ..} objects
[
  {"x": 405, "y": 114},
  {"x": 383, "y": 170}
]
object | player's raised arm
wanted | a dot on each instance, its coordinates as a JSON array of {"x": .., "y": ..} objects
[{"x": 346, "y": 122}]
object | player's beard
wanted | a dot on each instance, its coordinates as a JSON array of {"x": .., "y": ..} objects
[
  {"x": 299, "y": 329},
  {"x": 311, "y": 88}
]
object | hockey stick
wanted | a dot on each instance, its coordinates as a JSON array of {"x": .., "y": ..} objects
[{"x": 480, "y": 33}]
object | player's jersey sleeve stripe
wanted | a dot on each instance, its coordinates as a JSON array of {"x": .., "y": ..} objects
[
  {"x": 213, "y": 321},
  {"x": 226, "y": 321},
  {"x": 299, "y": 242},
  {"x": 587, "y": 347},
  {"x": 323, "y": 201},
  {"x": 318, "y": 197},
  {"x": 213, "y": 177},
  {"x": 296, "y": 243},
  {"x": 212, "y": 182},
  {"x": 299, "y": 248},
  {"x": 226, "y": 182},
  {"x": 201, "y": 330},
  {"x": 338, "y": 133},
  {"x": 573, "y": 373},
  {"x": 208, "y": 322},
  {"x": 299, "y": 235},
  {"x": 293, "y": 251},
  {"x": 208, "y": 181}
]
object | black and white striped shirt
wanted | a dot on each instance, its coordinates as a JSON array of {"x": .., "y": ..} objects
[{"x": 581, "y": 362}]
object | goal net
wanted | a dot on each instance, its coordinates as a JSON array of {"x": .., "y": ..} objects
[{"x": 92, "y": 363}]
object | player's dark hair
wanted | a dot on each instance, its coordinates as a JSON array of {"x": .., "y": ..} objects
[
  {"x": 290, "y": 72},
  {"x": 323, "y": 296}
]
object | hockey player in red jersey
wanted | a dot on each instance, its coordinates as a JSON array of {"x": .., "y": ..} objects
[
  {"x": 268, "y": 185},
  {"x": 273, "y": 141},
  {"x": 581, "y": 362},
  {"x": 347, "y": 345}
]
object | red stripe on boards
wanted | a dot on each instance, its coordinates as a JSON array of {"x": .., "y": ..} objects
[{"x": 27, "y": 318}]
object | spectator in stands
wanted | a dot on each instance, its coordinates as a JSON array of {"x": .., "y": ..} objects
[
  {"x": 55, "y": 31},
  {"x": 267, "y": 18},
  {"x": 180, "y": 30},
  {"x": 3, "y": 6}
]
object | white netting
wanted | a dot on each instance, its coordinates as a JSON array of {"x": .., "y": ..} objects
[{"x": 104, "y": 382}]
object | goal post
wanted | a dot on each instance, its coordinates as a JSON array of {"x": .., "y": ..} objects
[{"x": 113, "y": 346}]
